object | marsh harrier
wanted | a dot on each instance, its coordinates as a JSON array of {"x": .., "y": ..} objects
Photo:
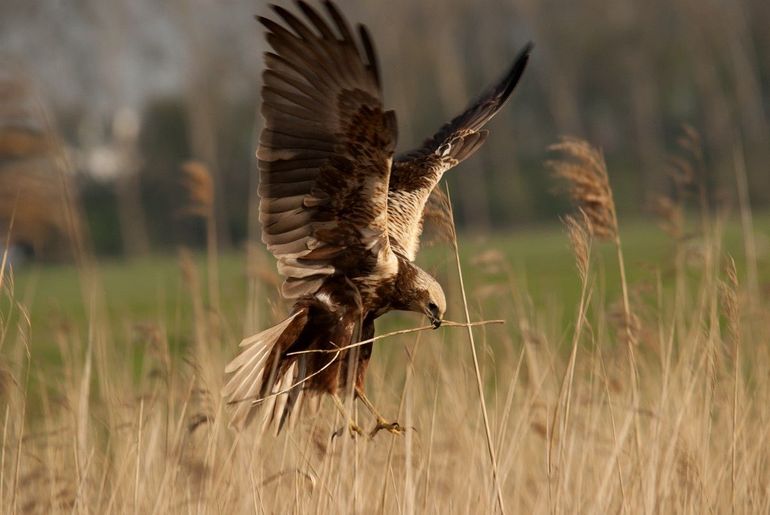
[{"x": 342, "y": 215}]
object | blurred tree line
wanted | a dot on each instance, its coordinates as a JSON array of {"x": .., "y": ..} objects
[{"x": 138, "y": 87}]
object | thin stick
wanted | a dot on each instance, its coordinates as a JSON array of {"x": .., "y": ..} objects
[
  {"x": 631, "y": 353},
  {"x": 138, "y": 457},
  {"x": 733, "y": 450},
  {"x": 479, "y": 385},
  {"x": 445, "y": 323},
  {"x": 565, "y": 391}
]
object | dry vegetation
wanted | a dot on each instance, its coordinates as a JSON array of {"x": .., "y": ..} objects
[{"x": 658, "y": 403}]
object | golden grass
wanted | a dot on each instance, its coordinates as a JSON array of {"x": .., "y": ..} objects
[
  {"x": 571, "y": 423},
  {"x": 199, "y": 184}
]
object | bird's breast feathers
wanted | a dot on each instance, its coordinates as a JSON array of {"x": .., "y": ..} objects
[{"x": 405, "y": 220}]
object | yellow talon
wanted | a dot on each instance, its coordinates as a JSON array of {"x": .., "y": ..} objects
[
  {"x": 353, "y": 428},
  {"x": 392, "y": 427}
]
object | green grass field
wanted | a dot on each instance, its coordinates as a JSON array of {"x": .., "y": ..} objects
[{"x": 536, "y": 262}]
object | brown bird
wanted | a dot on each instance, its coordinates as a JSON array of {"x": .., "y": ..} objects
[{"x": 342, "y": 216}]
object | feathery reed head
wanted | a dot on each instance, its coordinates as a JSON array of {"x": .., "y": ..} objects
[
  {"x": 690, "y": 141},
  {"x": 584, "y": 172},
  {"x": 684, "y": 167},
  {"x": 671, "y": 217},
  {"x": 682, "y": 173},
  {"x": 579, "y": 232},
  {"x": 200, "y": 189}
]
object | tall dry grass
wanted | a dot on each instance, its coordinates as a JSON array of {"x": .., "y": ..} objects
[{"x": 570, "y": 422}]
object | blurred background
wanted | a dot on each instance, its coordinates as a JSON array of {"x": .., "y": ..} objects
[
  {"x": 127, "y": 213},
  {"x": 104, "y": 101}
]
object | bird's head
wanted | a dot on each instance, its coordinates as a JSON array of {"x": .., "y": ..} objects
[{"x": 429, "y": 298}]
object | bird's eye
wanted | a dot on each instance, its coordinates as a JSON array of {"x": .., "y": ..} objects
[{"x": 432, "y": 306}]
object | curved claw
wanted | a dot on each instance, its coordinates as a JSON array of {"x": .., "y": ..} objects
[
  {"x": 392, "y": 427},
  {"x": 353, "y": 429}
]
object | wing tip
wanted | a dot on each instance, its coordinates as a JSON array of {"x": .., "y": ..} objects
[
  {"x": 370, "y": 52},
  {"x": 280, "y": 11},
  {"x": 517, "y": 70},
  {"x": 331, "y": 6}
]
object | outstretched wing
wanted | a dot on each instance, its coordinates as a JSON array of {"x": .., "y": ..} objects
[
  {"x": 325, "y": 151},
  {"x": 416, "y": 173}
]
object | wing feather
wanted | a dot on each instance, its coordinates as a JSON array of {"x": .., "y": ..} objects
[
  {"x": 325, "y": 149},
  {"x": 416, "y": 173}
]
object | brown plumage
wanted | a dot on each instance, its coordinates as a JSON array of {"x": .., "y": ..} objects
[{"x": 341, "y": 215}]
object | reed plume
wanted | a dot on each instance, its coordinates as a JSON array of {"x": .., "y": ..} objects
[
  {"x": 670, "y": 214},
  {"x": 579, "y": 233},
  {"x": 584, "y": 173},
  {"x": 199, "y": 185}
]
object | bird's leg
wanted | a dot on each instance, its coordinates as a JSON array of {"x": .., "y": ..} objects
[
  {"x": 394, "y": 427},
  {"x": 353, "y": 428}
]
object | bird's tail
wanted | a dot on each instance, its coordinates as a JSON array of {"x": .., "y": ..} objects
[{"x": 261, "y": 380}]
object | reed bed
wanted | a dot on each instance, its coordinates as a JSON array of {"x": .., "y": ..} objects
[{"x": 656, "y": 402}]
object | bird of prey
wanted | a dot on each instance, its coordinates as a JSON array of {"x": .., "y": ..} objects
[{"x": 342, "y": 215}]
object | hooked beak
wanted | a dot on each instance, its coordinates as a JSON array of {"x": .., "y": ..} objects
[{"x": 434, "y": 318}]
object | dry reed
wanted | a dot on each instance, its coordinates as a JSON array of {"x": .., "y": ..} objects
[
  {"x": 555, "y": 430},
  {"x": 199, "y": 185}
]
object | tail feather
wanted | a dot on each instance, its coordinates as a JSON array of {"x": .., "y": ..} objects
[
  {"x": 276, "y": 403},
  {"x": 250, "y": 371},
  {"x": 254, "y": 344},
  {"x": 294, "y": 398}
]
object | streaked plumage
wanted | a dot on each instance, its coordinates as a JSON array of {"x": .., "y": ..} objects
[{"x": 341, "y": 215}]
